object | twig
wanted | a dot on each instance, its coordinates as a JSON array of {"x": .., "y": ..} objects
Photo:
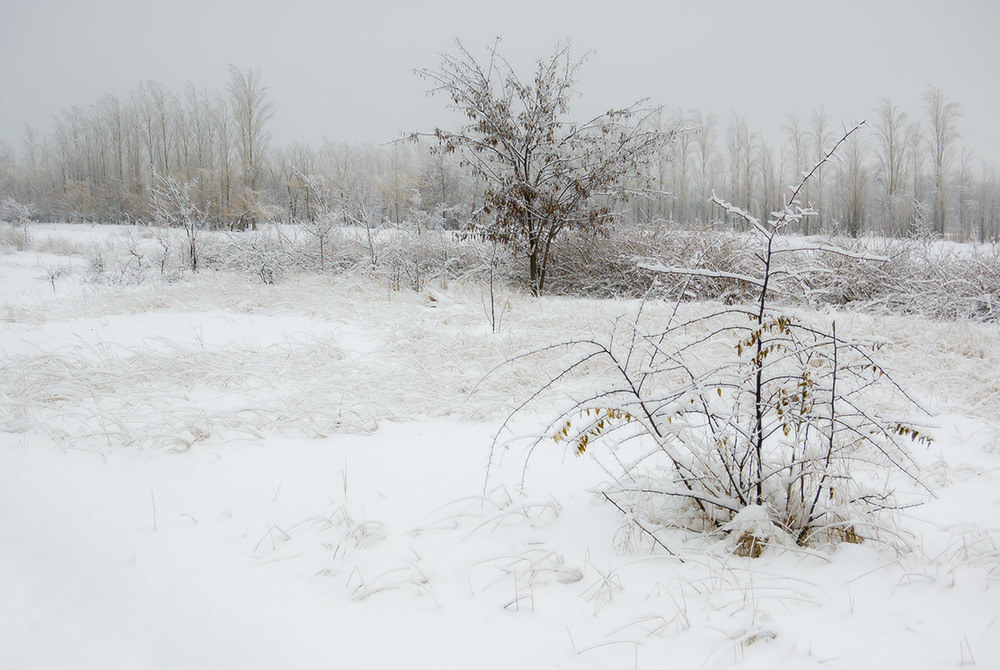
[{"x": 642, "y": 528}]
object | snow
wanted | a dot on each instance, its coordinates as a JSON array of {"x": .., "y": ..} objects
[{"x": 216, "y": 473}]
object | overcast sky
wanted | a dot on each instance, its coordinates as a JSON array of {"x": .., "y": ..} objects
[{"x": 343, "y": 70}]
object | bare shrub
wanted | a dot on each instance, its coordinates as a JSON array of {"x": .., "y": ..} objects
[
  {"x": 18, "y": 214},
  {"x": 917, "y": 277},
  {"x": 605, "y": 265},
  {"x": 762, "y": 427},
  {"x": 59, "y": 246},
  {"x": 12, "y": 238},
  {"x": 173, "y": 205},
  {"x": 263, "y": 253},
  {"x": 124, "y": 259}
]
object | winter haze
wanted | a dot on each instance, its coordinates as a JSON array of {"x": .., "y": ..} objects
[{"x": 343, "y": 70}]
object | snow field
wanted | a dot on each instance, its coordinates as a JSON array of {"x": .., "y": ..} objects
[{"x": 219, "y": 473}]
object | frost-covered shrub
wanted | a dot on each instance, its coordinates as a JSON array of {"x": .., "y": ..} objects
[
  {"x": 18, "y": 215},
  {"x": 918, "y": 278},
  {"x": 763, "y": 427},
  {"x": 12, "y": 238},
  {"x": 819, "y": 278},
  {"x": 142, "y": 253},
  {"x": 174, "y": 206},
  {"x": 265, "y": 253},
  {"x": 605, "y": 265},
  {"x": 59, "y": 246},
  {"x": 413, "y": 259},
  {"x": 118, "y": 261},
  {"x": 949, "y": 284}
]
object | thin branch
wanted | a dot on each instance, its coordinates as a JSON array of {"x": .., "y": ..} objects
[{"x": 641, "y": 527}]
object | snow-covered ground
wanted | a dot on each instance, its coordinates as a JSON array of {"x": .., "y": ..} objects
[{"x": 217, "y": 473}]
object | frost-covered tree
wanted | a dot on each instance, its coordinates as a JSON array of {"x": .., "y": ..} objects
[
  {"x": 18, "y": 214},
  {"x": 890, "y": 155},
  {"x": 853, "y": 177},
  {"x": 708, "y": 163},
  {"x": 942, "y": 116},
  {"x": 251, "y": 111},
  {"x": 544, "y": 173},
  {"x": 174, "y": 207},
  {"x": 739, "y": 144},
  {"x": 821, "y": 136}
]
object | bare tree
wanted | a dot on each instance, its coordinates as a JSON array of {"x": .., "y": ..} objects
[
  {"x": 173, "y": 206},
  {"x": 680, "y": 160},
  {"x": 768, "y": 177},
  {"x": 988, "y": 213},
  {"x": 443, "y": 186},
  {"x": 966, "y": 202},
  {"x": 222, "y": 124},
  {"x": 251, "y": 111},
  {"x": 815, "y": 189},
  {"x": 853, "y": 177},
  {"x": 796, "y": 149},
  {"x": 915, "y": 159},
  {"x": 942, "y": 116},
  {"x": 544, "y": 174},
  {"x": 708, "y": 160},
  {"x": 890, "y": 154},
  {"x": 739, "y": 142}
]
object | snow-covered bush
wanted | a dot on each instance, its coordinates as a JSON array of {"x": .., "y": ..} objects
[
  {"x": 18, "y": 215},
  {"x": 173, "y": 206},
  {"x": 264, "y": 253},
  {"x": 935, "y": 280},
  {"x": 763, "y": 426},
  {"x": 604, "y": 265},
  {"x": 11, "y": 238},
  {"x": 58, "y": 246}
]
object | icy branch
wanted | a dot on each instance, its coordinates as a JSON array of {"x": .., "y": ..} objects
[
  {"x": 831, "y": 249},
  {"x": 717, "y": 274}
]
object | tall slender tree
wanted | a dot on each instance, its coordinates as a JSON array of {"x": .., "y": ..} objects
[
  {"x": 822, "y": 138},
  {"x": 852, "y": 174},
  {"x": 890, "y": 155},
  {"x": 942, "y": 119},
  {"x": 251, "y": 112},
  {"x": 796, "y": 156},
  {"x": 739, "y": 143}
]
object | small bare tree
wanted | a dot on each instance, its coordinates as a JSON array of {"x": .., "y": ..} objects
[
  {"x": 173, "y": 207},
  {"x": 543, "y": 173},
  {"x": 18, "y": 214},
  {"x": 321, "y": 223}
]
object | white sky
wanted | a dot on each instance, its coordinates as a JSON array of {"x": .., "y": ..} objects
[{"x": 343, "y": 70}]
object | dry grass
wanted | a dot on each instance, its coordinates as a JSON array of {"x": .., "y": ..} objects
[{"x": 432, "y": 351}]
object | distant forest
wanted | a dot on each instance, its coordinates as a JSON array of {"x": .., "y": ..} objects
[{"x": 906, "y": 173}]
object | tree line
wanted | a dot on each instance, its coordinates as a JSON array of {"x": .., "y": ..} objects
[{"x": 906, "y": 173}]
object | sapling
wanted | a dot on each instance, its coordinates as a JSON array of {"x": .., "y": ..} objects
[
  {"x": 174, "y": 206},
  {"x": 18, "y": 214},
  {"x": 322, "y": 224}
]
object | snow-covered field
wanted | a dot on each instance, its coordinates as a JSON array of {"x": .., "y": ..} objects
[{"x": 217, "y": 473}]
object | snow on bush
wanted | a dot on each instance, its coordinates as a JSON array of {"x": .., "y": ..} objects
[{"x": 748, "y": 408}]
